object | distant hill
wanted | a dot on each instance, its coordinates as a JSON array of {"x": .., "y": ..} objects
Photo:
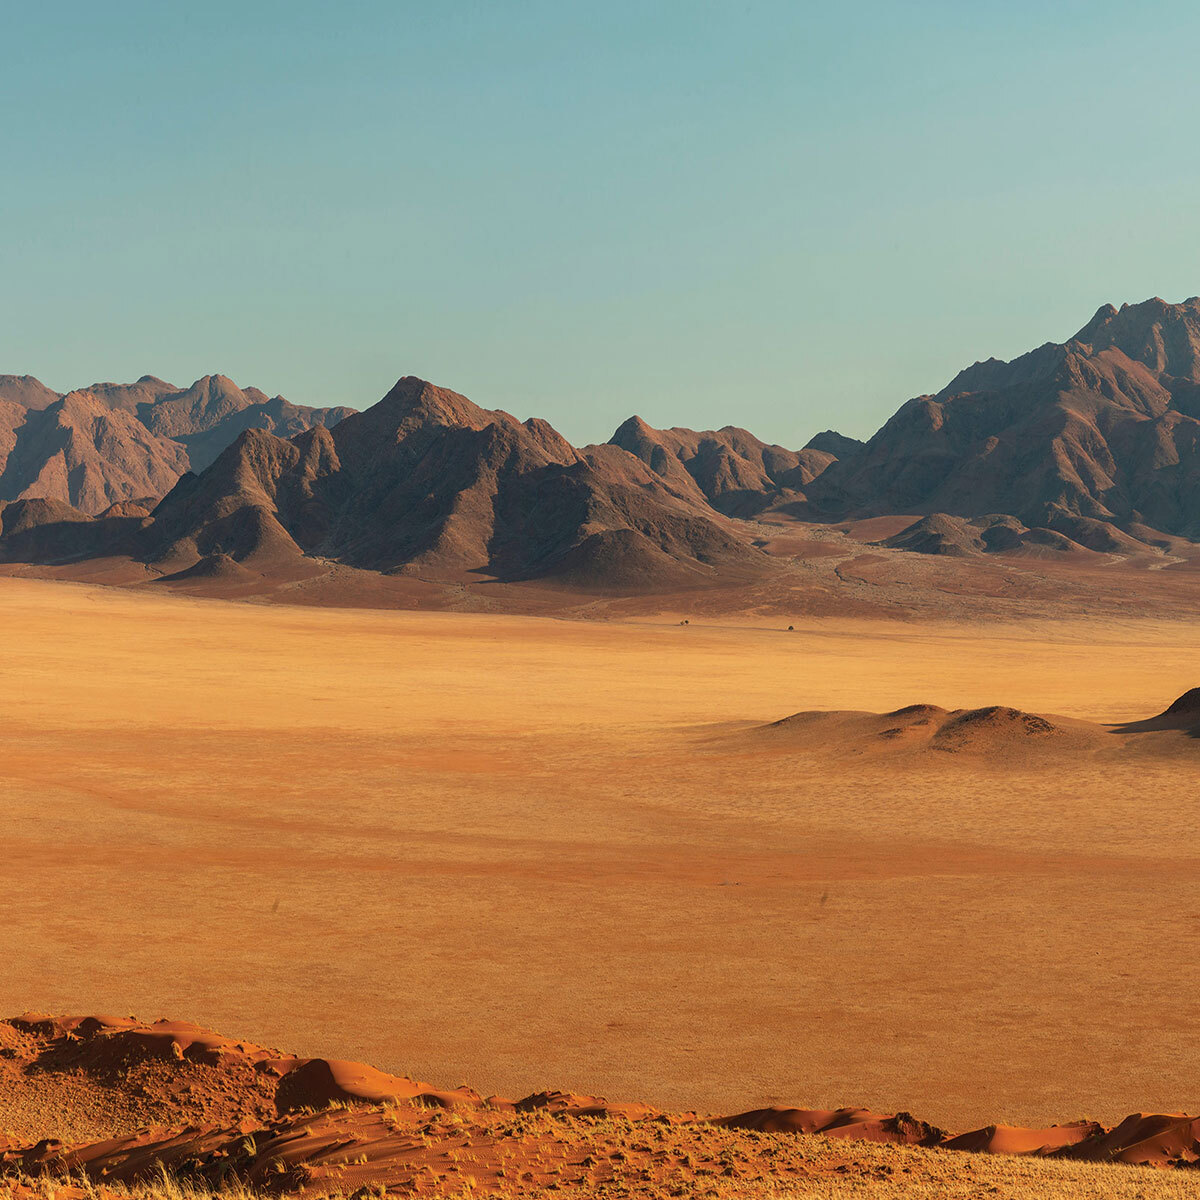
[
  {"x": 1087, "y": 448},
  {"x": 425, "y": 482},
  {"x": 1097, "y": 439},
  {"x": 111, "y": 442},
  {"x": 730, "y": 468}
]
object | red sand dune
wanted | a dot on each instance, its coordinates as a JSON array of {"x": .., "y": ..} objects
[
  {"x": 839, "y": 1122},
  {"x": 342, "y": 1125},
  {"x": 1150, "y": 1139},
  {"x": 1013, "y": 1139}
]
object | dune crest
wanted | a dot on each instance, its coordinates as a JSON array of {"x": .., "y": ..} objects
[
  {"x": 1182, "y": 715},
  {"x": 992, "y": 731},
  {"x": 927, "y": 728},
  {"x": 223, "y": 1108}
]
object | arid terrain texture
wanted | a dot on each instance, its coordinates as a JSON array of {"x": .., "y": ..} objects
[
  {"x": 528, "y": 853},
  {"x": 118, "y": 1103},
  {"x": 776, "y": 795}
]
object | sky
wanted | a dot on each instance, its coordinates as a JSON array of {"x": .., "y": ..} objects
[{"x": 785, "y": 216}]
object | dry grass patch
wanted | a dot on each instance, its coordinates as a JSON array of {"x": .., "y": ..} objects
[{"x": 830, "y": 1170}]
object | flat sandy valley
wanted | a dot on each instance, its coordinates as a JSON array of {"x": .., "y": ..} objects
[{"x": 524, "y": 852}]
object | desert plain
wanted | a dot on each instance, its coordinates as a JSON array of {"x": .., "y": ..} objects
[{"x": 525, "y": 852}]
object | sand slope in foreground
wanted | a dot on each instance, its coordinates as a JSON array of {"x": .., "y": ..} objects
[{"x": 231, "y": 1109}]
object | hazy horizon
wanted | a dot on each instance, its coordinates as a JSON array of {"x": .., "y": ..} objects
[{"x": 777, "y": 217}]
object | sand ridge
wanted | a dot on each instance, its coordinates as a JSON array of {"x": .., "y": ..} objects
[
  {"x": 342, "y": 1126},
  {"x": 990, "y": 731}
]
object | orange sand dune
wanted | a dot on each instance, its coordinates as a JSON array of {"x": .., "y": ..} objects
[
  {"x": 386, "y": 1132},
  {"x": 994, "y": 730},
  {"x": 991, "y": 730}
]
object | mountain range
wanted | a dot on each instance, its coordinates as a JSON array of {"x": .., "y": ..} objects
[
  {"x": 111, "y": 442},
  {"x": 1092, "y": 444}
]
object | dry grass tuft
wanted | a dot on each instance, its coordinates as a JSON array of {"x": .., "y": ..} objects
[{"x": 869, "y": 1172}]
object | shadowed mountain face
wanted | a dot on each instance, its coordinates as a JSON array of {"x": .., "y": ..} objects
[
  {"x": 117, "y": 442},
  {"x": 428, "y": 483},
  {"x": 729, "y": 468},
  {"x": 1101, "y": 432},
  {"x": 83, "y": 453},
  {"x": 1093, "y": 445}
]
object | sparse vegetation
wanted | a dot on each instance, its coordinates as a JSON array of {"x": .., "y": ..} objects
[{"x": 867, "y": 1172}]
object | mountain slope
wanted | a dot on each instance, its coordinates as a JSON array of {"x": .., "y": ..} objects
[
  {"x": 79, "y": 451},
  {"x": 25, "y": 392},
  {"x": 426, "y": 482},
  {"x": 1102, "y": 431},
  {"x": 114, "y": 442},
  {"x": 210, "y": 414},
  {"x": 730, "y": 468}
]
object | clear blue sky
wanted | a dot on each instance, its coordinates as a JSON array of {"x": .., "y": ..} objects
[{"x": 782, "y": 215}]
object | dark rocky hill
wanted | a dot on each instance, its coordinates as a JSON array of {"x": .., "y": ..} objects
[{"x": 1097, "y": 439}]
